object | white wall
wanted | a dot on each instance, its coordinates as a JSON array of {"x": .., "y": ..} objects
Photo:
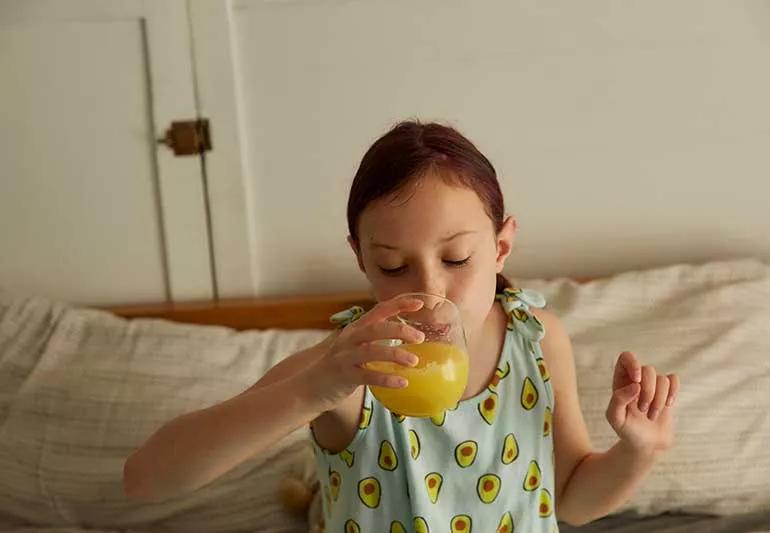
[{"x": 625, "y": 135}]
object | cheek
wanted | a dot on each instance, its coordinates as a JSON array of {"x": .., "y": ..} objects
[
  {"x": 383, "y": 287},
  {"x": 386, "y": 287},
  {"x": 474, "y": 291}
]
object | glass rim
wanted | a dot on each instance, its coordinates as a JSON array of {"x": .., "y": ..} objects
[
  {"x": 455, "y": 310},
  {"x": 429, "y": 294}
]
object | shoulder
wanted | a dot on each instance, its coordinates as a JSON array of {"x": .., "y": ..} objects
[
  {"x": 553, "y": 325},
  {"x": 547, "y": 329}
]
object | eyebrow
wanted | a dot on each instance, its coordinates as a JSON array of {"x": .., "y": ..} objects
[{"x": 447, "y": 239}]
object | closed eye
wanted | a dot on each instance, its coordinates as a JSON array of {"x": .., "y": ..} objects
[
  {"x": 393, "y": 271},
  {"x": 400, "y": 270},
  {"x": 459, "y": 263}
]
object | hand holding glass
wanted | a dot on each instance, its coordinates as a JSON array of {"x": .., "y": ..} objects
[{"x": 438, "y": 380}]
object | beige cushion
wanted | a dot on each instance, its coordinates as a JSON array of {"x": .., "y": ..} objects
[
  {"x": 81, "y": 389},
  {"x": 711, "y": 325}
]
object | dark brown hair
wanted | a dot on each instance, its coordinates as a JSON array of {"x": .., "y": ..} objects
[{"x": 412, "y": 149}]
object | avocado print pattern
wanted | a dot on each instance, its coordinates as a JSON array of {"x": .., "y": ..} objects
[
  {"x": 488, "y": 488},
  {"x": 543, "y": 369},
  {"x": 499, "y": 375},
  {"x": 488, "y": 408},
  {"x": 510, "y": 449},
  {"x": 348, "y": 457},
  {"x": 461, "y": 524},
  {"x": 529, "y": 394},
  {"x": 369, "y": 492},
  {"x": 465, "y": 453},
  {"x": 506, "y": 524},
  {"x": 388, "y": 459},
  {"x": 414, "y": 444},
  {"x": 545, "y": 509},
  {"x": 547, "y": 422},
  {"x": 366, "y": 417},
  {"x": 439, "y": 419},
  {"x": 335, "y": 481},
  {"x": 532, "y": 479},
  {"x": 433, "y": 483},
  {"x": 485, "y": 464}
]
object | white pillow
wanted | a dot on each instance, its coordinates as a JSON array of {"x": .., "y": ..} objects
[
  {"x": 708, "y": 323},
  {"x": 81, "y": 389}
]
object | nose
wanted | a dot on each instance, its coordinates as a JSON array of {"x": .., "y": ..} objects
[{"x": 430, "y": 281}]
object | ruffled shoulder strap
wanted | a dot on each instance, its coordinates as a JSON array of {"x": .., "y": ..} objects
[
  {"x": 517, "y": 303},
  {"x": 348, "y": 316}
]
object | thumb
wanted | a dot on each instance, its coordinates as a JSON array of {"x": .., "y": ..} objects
[{"x": 616, "y": 411}]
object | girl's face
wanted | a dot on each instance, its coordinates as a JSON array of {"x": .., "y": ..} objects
[{"x": 436, "y": 238}]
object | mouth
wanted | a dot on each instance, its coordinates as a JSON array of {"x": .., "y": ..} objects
[{"x": 432, "y": 331}]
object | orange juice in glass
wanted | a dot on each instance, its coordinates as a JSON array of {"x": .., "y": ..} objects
[{"x": 438, "y": 380}]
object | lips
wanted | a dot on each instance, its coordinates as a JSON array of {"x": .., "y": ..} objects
[{"x": 433, "y": 330}]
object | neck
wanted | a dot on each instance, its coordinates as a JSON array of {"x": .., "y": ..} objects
[
  {"x": 484, "y": 348},
  {"x": 489, "y": 332}
]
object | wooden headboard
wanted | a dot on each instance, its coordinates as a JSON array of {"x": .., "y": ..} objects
[
  {"x": 300, "y": 312},
  {"x": 294, "y": 312}
]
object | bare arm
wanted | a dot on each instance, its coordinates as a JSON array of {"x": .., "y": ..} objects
[
  {"x": 591, "y": 484},
  {"x": 603, "y": 481},
  {"x": 195, "y": 448}
]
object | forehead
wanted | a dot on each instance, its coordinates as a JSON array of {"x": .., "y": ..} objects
[{"x": 427, "y": 209}]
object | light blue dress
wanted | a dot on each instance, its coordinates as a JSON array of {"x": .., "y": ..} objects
[{"x": 486, "y": 466}]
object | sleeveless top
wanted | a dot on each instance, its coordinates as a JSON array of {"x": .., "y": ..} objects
[{"x": 485, "y": 466}]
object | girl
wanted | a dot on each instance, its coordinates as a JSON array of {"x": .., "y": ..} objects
[{"x": 425, "y": 214}]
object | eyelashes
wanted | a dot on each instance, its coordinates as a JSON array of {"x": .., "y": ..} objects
[
  {"x": 459, "y": 263},
  {"x": 400, "y": 270},
  {"x": 393, "y": 271}
]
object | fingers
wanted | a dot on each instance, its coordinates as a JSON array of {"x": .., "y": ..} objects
[
  {"x": 632, "y": 381},
  {"x": 648, "y": 388},
  {"x": 673, "y": 390},
  {"x": 384, "y": 310},
  {"x": 380, "y": 379},
  {"x": 627, "y": 370},
  {"x": 354, "y": 364},
  {"x": 385, "y": 330},
  {"x": 661, "y": 395},
  {"x": 371, "y": 352},
  {"x": 621, "y": 398},
  {"x": 657, "y": 392}
]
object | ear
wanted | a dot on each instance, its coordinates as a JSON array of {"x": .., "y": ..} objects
[
  {"x": 357, "y": 251},
  {"x": 505, "y": 238}
]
